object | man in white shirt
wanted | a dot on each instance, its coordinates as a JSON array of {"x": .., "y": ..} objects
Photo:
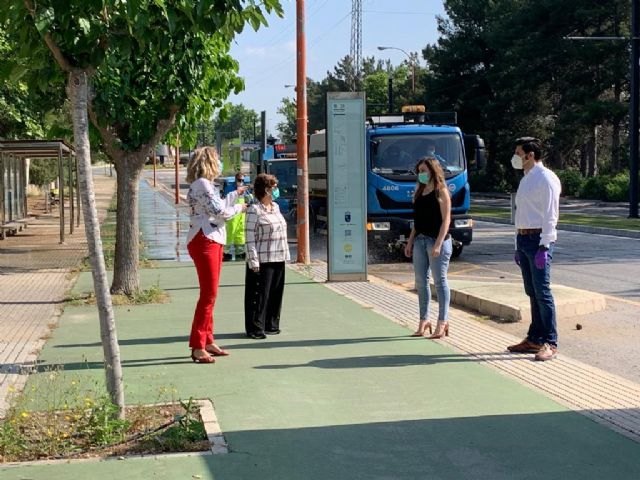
[{"x": 537, "y": 211}]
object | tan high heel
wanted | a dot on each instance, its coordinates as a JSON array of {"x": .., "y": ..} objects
[
  {"x": 442, "y": 330},
  {"x": 425, "y": 324},
  {"x": 206, "y": 358},
  {"x": 216, "y": 351}
]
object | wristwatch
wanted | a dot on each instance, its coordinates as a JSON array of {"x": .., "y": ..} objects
[{"x": 543, "y": 248}]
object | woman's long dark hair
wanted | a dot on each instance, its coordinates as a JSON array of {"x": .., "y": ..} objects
[{"x": 435, "y": 173}]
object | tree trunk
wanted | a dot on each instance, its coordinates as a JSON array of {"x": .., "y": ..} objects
[
  {"x": 125, "y": 272},
  {"x": 584, "y": 159},
  {"x": 592, "y": 155},
  {"x": 77, "y": 90},
  {"x": 615, "y": 133}
]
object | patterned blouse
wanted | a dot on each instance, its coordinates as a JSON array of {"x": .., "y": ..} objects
[
  {"x": 266, "y": 235},
  {"x": 208, "y": 212}
]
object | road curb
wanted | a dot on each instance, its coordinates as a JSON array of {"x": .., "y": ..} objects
[{"x": 569, "y": 302}]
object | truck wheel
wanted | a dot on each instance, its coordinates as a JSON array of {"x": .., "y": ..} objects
[{"x": 457, "y": 250}]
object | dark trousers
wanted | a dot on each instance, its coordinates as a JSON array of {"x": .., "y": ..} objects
[
  {"x": 263, "y": 297},
  {"x": 543, "y": 328}
]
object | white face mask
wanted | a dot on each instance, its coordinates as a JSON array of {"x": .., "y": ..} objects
[{"x": 516, "y": 162}]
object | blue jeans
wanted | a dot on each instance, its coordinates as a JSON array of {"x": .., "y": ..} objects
[
  {"x": 543, "y": 328},
  {"x": 423, "y": 263}
]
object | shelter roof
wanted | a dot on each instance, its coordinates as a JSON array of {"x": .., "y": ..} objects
[{"x": 36, "y": 148}]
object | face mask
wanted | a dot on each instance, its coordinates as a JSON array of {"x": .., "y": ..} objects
[
  {"x": 423, "y": 177},
  {"x": 275, "y": 193},
  {"x": 516, "y": 162}
]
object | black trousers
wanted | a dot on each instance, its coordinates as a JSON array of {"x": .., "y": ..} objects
[{"x": 263, "y": 297}]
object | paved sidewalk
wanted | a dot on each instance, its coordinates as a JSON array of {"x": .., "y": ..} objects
[
  {"x": 34, "y": 278},
  {"x": 342, "y": 393}
]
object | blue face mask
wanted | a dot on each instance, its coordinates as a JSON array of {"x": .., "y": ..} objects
[
  {"x": 423, "y": 177},
  {"x": 275, "y": 193}
]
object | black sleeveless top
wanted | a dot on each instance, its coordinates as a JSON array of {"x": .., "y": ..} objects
[{"x": 427, "y": 216}]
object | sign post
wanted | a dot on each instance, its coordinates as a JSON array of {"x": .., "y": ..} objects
[{"x": 346, "y": 187}]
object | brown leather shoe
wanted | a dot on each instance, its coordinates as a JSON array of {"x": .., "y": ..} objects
[
  {"x": 547, "y": 352},
  {"x": 525, "y": 346}
]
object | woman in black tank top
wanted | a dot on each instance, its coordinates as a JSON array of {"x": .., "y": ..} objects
[{"x": 430, "y": 244}]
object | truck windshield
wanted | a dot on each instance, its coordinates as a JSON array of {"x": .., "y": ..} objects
[
  {"x": 398, "y": 154},
  {"x": 285, "y": 172}
]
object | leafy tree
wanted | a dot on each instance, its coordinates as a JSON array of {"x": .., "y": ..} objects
[
  {"x": 64, "y": 32},
  {"x": 508, "y": 69},
  {"x": 288, "y": 127},
  {"x": 27, "y": 107},
  {"x": 165, "y": 79},
  {"x": 123, "y": 46},
  {"x": 236, "y": 119}
]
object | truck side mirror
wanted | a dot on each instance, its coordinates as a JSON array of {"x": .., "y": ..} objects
[{"x": 475, "y": 152}]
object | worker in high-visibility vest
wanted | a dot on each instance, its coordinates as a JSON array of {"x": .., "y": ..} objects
[{"x": 234, "y": 248}]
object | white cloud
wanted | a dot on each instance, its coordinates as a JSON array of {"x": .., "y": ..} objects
[{"x": 255, "y": 51}]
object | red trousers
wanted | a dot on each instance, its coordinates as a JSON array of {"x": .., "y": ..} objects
[{"x": 207, "y": 256}]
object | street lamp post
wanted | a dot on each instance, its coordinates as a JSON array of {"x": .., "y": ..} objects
[{"x": 411, "y": 62}]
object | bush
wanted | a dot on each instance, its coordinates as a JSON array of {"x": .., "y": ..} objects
[
  {"x": 485, "y": 182},
  {"x": 571, "y": 181},
  {"x": 43, "y": 171},
  {"x": 617, "y": 188},
  {"x": 594, "y": 188}
]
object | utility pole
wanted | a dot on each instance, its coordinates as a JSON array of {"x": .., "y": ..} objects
[
  {"x": 301, "y": 143},
  {"x": 177, "y": 167},
  {"x": 263, "y": 141},
  {"x": 635, "y": 109}
]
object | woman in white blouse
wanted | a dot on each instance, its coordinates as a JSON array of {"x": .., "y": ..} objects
[
  {"x": 205, "y": 242},
  {"x": 267, "y": 251}
]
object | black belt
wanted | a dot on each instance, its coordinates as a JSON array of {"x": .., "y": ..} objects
[{"x": 529, "y": 231}]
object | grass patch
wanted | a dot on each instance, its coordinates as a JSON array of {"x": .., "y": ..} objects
[
  {"x": 566, "y": 218},
  {"x": 57, "y": 417},
  {"x": 153, "y": 294}
]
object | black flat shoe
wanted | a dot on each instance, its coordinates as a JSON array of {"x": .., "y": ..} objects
[
  {"x": 272, "y": 332},
  {"x": 257, "y": 336}
]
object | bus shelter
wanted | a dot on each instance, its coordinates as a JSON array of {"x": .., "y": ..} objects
[{"x": 13, "y": 179}]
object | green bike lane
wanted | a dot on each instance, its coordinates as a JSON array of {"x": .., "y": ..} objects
[{"x": 343, "y": 392}]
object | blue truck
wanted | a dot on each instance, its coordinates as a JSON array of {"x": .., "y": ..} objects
[{"x": 394, "y": 144}]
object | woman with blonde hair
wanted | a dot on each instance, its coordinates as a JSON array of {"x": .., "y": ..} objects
[
  {"x": 430, "y": 244},
  {"x": 205, "y": 242}
]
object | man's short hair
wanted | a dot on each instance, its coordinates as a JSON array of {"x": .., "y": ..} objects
[{"x": 530, "y": 144}]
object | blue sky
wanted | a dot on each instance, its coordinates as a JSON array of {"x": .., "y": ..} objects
[{"x": 267, "y": 57}]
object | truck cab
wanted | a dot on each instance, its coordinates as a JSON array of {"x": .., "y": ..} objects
[
  {"x": 394, "y": 145},
  {"x": 392, "y": 155}
]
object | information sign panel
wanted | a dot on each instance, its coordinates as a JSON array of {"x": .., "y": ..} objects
[{"x": 346, "y": 182}]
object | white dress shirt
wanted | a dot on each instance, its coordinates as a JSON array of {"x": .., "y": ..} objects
[
  {"x": 208, "y": 212},
  {"x": 538, "y": 202}
]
